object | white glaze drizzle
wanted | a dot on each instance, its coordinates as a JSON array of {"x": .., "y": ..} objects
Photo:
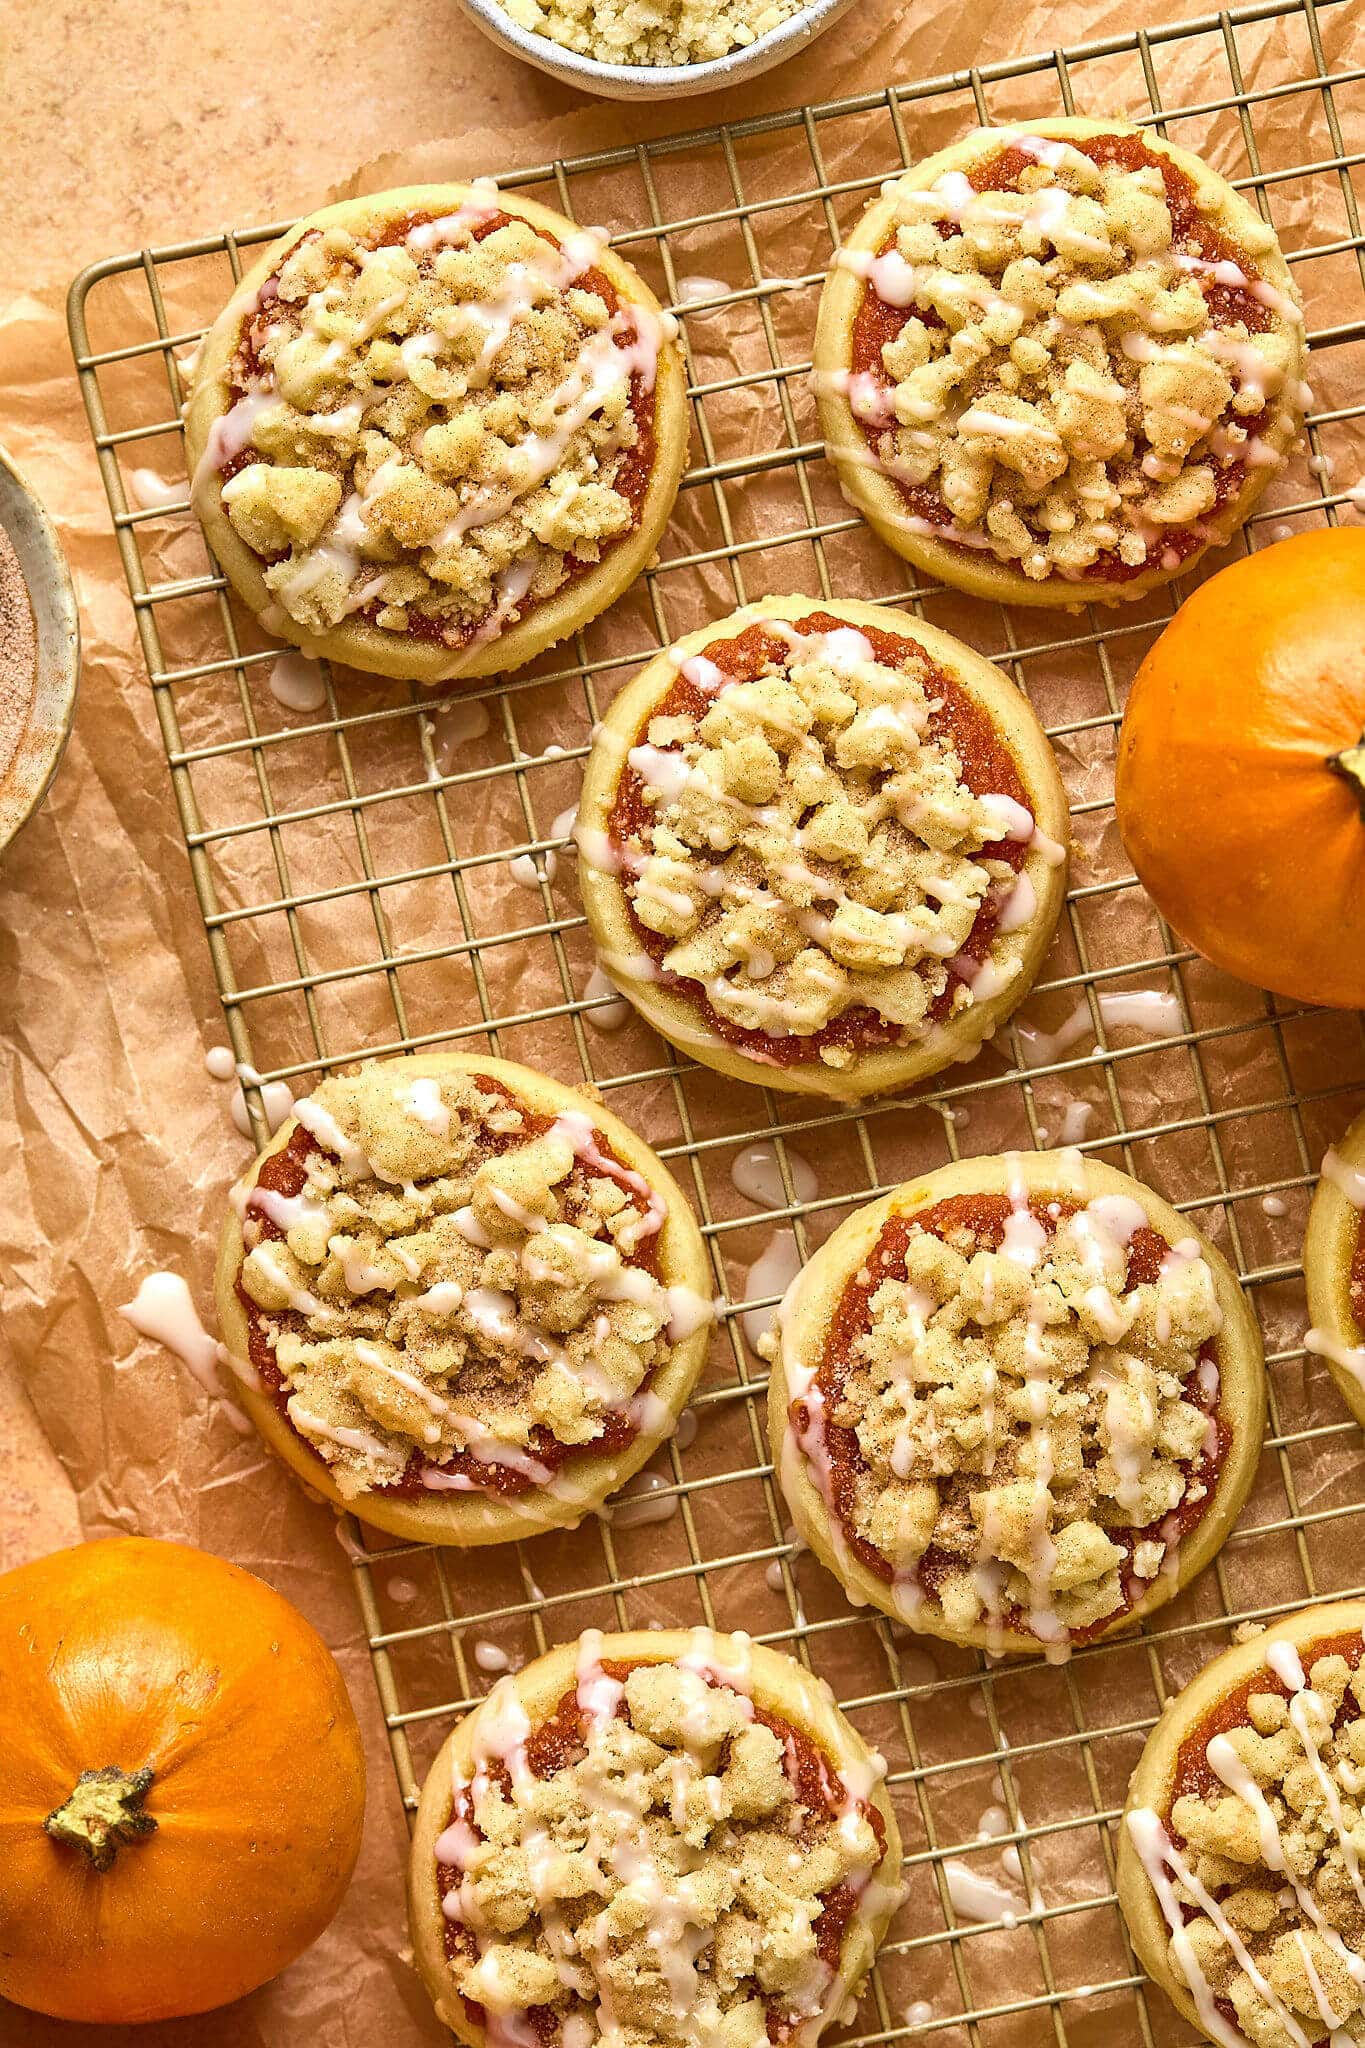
[
  {"x": 163, "y": 1310},
  {"x": 773, "y": 1272},
  {"x": 423, "y": 1103},
  {"x": 277, "y": 1097},
  {"x": 1229, "y": 1769},
  {"x": 577, "y": 1127},
  {"x": 277, "y": 1100},
  {"x": 297, "y": 683},
  {"x": 608, "y": 1015},
  {"x": 1019, "y": 906},
  {"x": 976, "y": 1896},
  {"x": 152, "y": 493},
  {"x": 1076, "y": 1118},
  {"x": 1348, "y": 1180},
  {"x": 356, "y": 1163},
  {"x": 341, "y": 1433},
  {"x": 265, "y": 1256},
  {"x": 1153, "y": 1011},
  {"x": 1018, "y": 823},
  {"x": 529, "y": 870},
  {"x": 287, "y": 1212},
  {"x": 645, "y": 1499},
  {"x": 460, "y": 723},
  {"x": 1350, "y": 1358},
  {"x": 231, "y": 433},
  {"x": 757, "y": 1175},
  {"x": 1043, "y": 1048}
]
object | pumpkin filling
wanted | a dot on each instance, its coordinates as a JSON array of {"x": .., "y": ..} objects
[
  {"x": 660, "y": 1860},
  {"x": 1062, "y": 361},
  {"x": 435, "y": 427},
  {"x": 446, "y": 1291},
  {"x": 1256, "y": 1860},
  {"x": 819, "y": 838},
  {"x": 1014, "y": 1421}
]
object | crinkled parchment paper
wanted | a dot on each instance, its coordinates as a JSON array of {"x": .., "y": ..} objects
[{"x": 118, "y": 1147}]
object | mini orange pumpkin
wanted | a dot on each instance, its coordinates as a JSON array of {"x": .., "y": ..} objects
[
  {"x": 1241, "y": 770},
  {"x": 182, "y": 1782}
]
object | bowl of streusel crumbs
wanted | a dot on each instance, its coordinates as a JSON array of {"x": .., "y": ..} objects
[{"x": 654, "y": 49}]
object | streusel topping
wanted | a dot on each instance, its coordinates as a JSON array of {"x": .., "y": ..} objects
[
  {"x": 1014, "y": 1414},
  {"x": 1257, "y": 1866},
  {"x": 1067, "y": 369},
  {"x": 449, "y": 1292},
  {"x": 801, "y": 835},
  {"x": 660, "y": 1862},
  {"x": 652, "y": 31},
  {"x": 435, "y": 431}
]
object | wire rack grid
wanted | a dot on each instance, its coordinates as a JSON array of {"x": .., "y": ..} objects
[{"x": 358, "y": 867}]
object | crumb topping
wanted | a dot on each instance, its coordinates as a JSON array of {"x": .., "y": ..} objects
[
  {"x": 1257, "y": 1865},
  {"x": 438, "y": 430},
  {"x": 672, "y": 1865},
  {"x": 651, "y": 31},
  {"x": 1013, "y": 1418},
  {"x": 1062, "y": 364},
  {"x": 449, "y": 1292},
  {"x": 801, "y": 836}
]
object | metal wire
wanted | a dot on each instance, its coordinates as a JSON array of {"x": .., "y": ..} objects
[{"x": 391, "y": 812}]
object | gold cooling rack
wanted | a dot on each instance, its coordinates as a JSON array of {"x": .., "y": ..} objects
[{"x": 351, "y": 865}]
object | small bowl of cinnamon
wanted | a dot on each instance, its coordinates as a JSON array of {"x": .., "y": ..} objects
[{"x": 40, "y": 652}]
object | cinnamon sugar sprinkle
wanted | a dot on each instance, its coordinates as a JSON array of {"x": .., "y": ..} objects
[{"x": 18, "y": 653}]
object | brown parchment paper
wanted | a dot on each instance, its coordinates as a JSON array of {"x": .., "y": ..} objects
[{"x": 127, "y": 125}]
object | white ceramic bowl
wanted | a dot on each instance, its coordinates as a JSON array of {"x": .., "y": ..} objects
[
  {"x": 656, "y": 81},
  {"x": 43, "y": 568}
]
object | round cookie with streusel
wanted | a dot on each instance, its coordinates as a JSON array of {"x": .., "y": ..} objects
[
  {"x": 1334, "y": 1267},
  {"x": 822, "y": 846},
  {"x": 1057, "y": 362},
  {"x": 1016, "y": 1403},
  {"x": 435, "y": 430},
  {"x": 1239, "y": 1870},
  {"x": 464, "y": 1301},
  {"x": 663, "y": 1837}
]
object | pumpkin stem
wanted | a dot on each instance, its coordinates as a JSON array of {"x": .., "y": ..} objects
[
  {"x": 1350, "y": 765},
  {"x": 104, "y": 1811}
]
